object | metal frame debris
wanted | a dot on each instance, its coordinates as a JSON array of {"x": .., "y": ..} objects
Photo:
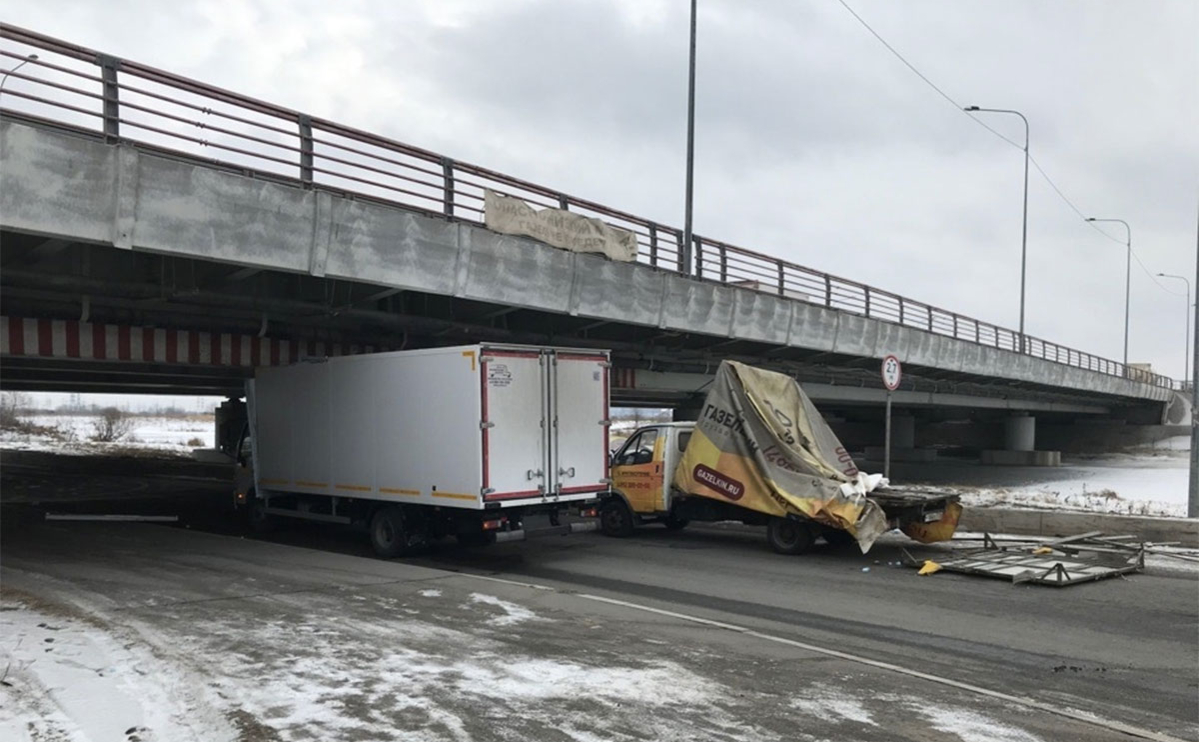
[{"x": 1060, "y": 562}]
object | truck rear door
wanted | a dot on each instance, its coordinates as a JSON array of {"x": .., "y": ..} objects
[
  {"x": 515, "y": 424},
  {"x": 579, "y": 402}
]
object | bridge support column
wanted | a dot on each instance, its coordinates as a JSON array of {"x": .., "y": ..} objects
[
  {"x": 903, "y": 431},
  {"x": 1020, "y": 433},
  {"x": 1019, "y": 440},
  {"x": 903, "y": 443}
]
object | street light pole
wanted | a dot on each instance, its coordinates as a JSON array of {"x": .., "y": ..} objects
[
  {"x": 28, "y": 58},
  {"x": 1193, "y": 482},
  {"x": 1186, "y": 374},
  {"x": 1024, "y": 227},
  {"x": 1127, "y": 281},
  {"x": 685, "y": 248}
]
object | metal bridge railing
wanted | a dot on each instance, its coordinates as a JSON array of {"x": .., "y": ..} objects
[{"x": 69, "y": 85}]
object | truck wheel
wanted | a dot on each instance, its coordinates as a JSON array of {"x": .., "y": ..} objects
[
  {"x": 257, "y": 519},
  {"x": 674, "y": 523},
  {"x": 788, "y": 536},
  {"x": 616, "y": 519},
  {"x": 388, "y": 537},
  {"x": 838, "y": 538}
]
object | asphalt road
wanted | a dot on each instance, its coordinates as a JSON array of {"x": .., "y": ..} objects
[{"x": 1123, "y": 649}]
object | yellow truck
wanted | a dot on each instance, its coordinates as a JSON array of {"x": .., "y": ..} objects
[{"x": 761, "y": 454}]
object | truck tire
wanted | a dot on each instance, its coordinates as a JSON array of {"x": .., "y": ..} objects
[
  {"x": 616, "y": 519},
  {"x": 257, "y": 519},
  {"x": 675, "y": 523},
  {"x": 387, "y": 533},
  {"x": 787, "y": 536},
  {"x": 837, "y": 538}
]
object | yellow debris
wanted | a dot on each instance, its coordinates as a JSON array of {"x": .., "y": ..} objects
[
  {"x": 1042, "y": 550},
  {"x": 929, "y": 567}
]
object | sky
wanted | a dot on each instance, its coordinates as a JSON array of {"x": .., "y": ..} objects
[{"x": 813, "y": 142}]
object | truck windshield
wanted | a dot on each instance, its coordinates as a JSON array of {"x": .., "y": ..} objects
[{"x": 639, "y": 449}]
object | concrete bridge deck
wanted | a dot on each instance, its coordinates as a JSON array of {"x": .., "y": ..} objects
[{"x": 70, "y": 187}]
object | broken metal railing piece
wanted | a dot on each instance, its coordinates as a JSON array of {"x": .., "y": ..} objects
[{"x": 1080, "y": 558}]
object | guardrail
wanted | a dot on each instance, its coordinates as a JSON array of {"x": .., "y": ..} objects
[{"x": 126, "y": 101}]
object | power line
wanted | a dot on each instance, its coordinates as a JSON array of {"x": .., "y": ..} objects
[{"x": 961, "y": 109}]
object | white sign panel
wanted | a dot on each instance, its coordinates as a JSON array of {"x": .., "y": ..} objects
[
  {"x": 892, "y": 372},
  {"x": 557, "y": 227}
]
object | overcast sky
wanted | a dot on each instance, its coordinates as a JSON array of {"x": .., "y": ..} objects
[{"x": 812, "y": 141}]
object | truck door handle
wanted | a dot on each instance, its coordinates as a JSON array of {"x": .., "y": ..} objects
[
  {"x": 566, "y": 472},
  {"x": 533, "y": 474}
]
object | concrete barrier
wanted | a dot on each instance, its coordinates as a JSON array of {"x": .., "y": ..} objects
[{"x": 1066, "y": 523}]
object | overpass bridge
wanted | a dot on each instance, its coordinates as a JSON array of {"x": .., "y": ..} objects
[{"x": 158, "y": 233}]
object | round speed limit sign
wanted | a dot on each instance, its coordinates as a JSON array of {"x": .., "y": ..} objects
[{"x": 892, "y": 372}]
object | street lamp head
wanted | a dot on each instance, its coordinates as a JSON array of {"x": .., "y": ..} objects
[
  {"x": 1090, "y": 218},
  {"x": 970, "y": 108},
  {"x": 31, "y": 57}
]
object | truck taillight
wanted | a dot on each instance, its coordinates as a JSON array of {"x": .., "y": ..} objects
[
  {"x": 241, "y": 496},
  {"x": 589, "y": 512},
  {"x": 494, "y": 525}
]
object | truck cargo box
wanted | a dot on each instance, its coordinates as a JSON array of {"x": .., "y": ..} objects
[{"x": 474, "y": 426}]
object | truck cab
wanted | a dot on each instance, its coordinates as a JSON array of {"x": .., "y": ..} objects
[{"x": 642, "y": 470}]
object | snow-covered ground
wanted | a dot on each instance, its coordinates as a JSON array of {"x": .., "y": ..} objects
[
  {"x": 73, "y": 434},
  {"x": 1106, "y": 488},
  {"x": 404, "y": 674},
  {"x": 68, "y": 680},
  {"x": 1151, "y": 482}
]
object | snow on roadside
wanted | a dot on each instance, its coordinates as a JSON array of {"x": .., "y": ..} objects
[
  {"x": 832, "y": 704},
  {"x": 72, "y": 433},
  {"x": 1118, "y": 486},
  {"x": 513, "y": 613},
  {"x": 971, "y": 726},
  {"x": 346, "y": 677},
  {"x": 68, "y": 680}
]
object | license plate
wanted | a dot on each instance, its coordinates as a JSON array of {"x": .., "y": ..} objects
[{"x": 933, "y": 516}]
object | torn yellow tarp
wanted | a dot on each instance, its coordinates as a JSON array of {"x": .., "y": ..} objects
[{"x": 761, "y": 443}]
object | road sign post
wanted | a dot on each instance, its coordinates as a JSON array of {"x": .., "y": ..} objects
[{"x": 892, "y": 374}]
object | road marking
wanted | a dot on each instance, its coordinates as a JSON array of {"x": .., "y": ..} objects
[
  {"x": 529, "y": 585},
  {"x": 1075, "y": 715},
  {"x": 1082, "y": 716}
]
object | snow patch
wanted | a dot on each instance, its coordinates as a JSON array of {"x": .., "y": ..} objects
[
  {"x": 971, "y": 726},
  {"x": 430, "y": 680},
  {"x": 832, "y": 706},
  {"x": 431, "y": 593},
  {"x": 67, "y": 680},
  {"x": 513, "y": 613}
]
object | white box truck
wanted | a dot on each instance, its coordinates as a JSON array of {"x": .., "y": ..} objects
[{"x": 422, "y": 444}]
